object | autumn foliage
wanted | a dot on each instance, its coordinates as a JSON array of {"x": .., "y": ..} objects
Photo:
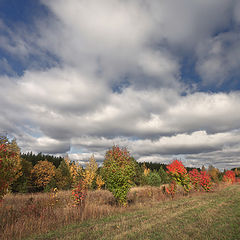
[
  {"x": 79, "y": 193},
  {"x": 200, "y": 180},
  {"x": 171, "y": 189},
  {"x": 179, "y": 174},
  {"x": 90, "y": 171},
  {"x": 118, "y": 172},
  {"x": 10, "y": 164},
  {"x": 42, "y": 173},
  {"x": 229, "y": 177},
  {"x": 99, "y": 182}
]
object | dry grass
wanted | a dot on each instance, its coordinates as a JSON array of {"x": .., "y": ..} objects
[
  {"x": 199, "y": 216},
  {"x": 21, "y": 215}
]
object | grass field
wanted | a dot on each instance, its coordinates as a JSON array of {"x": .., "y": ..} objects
[
  {"x": 151, "y": 214},
  {"x": 205, "y": 216}
]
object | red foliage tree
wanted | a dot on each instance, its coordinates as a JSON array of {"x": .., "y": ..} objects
[
  {"x": 229, "y": 177},
  {"x": 200, "y": 180},
  {"x": 179, "y": 174},
  {"x": 10, "y": 164},
  {"x": 205, "y": 181}
]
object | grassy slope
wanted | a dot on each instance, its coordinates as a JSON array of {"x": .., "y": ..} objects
[{"x": 206, "y": 216}]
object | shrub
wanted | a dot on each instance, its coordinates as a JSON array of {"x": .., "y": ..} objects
[
  {"x": 171, "y": 189},
  {"x": 178, "y": 173},
  {"x": 79, "y": 194},
  {"x": 229, "y": 177},
  {"x": 195, "y": 178},
  {"x": 200, "y": 180},
  {"x": 118, "y": 172},
  {"x": 205, "y": 181}
]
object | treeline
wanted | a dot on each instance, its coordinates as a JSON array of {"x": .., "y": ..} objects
[
  {"x": 41, "y": 172},
  {"x": 30, "y": 172},
  {"x": 157, "y": 166},
  {"x": 35, "y": 158}
]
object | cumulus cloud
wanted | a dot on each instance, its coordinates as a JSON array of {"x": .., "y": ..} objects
[
  {"x": 189, "y": 147},
  {"x": 113, "y": 75}
]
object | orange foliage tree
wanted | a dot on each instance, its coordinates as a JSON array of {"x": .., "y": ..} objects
[{"x": 42, "y": 173}]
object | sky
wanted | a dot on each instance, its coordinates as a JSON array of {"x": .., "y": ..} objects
[{"x": 160, "y": 77}]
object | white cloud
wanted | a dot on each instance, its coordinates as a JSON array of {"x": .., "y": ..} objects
[
  {"x": 118, "y": 79},
  {"x": 188, "y": 147}
]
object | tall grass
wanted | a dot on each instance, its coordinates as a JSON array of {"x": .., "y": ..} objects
[{"x": 21, "y": 215}]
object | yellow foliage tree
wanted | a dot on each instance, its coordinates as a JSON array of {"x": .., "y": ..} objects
[
  {"x": 146, "y": 170},
  {"x": 214, "y": 173},
  {"x": 76, "y": 172},
  {"x": 90, "y": 171},
  {"x": 42, "y": 173},
  {"x": 99, "y": 182},
  {"x": 68, "y": 174}
]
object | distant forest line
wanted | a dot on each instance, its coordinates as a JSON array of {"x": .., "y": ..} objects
[{"x": 56, "y": 160}]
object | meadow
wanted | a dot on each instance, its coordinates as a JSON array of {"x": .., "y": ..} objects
[{"x": 150, "y": 214}]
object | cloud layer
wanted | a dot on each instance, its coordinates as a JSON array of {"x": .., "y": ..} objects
[{"x": 97, "y": 74}]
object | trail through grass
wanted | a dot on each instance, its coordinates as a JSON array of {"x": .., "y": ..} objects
[{"x": 205, "y": 216}]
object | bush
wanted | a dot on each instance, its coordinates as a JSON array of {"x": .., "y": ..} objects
[
  {"x": 229, "y": 177},
  {"x": 200, "y": 180},
  {"x": 205, "y": 181},
  {"x": 178, "y": 173},
  {"x": 118, "y": 173}
]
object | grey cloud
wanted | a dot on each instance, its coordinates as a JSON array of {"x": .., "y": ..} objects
[
  {"x": 219, "y": 58},
  {"x": 5, "y": 67},
  {"x": 195, "y": 149},
  {"x": 98, "y": 45},
  {"x": 186, "y": 23}
]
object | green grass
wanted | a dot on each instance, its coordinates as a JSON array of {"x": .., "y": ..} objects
[{"x": 205, "y": 216}]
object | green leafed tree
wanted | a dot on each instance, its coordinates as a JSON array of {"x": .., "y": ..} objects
[
  {"x": 163, "y": 175},
  {"x": 23, "y": 183},
  {"x": 118, "y": 172},
  {"x": 153, "y": 179},
  {"x": 63, "y": 176}
]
